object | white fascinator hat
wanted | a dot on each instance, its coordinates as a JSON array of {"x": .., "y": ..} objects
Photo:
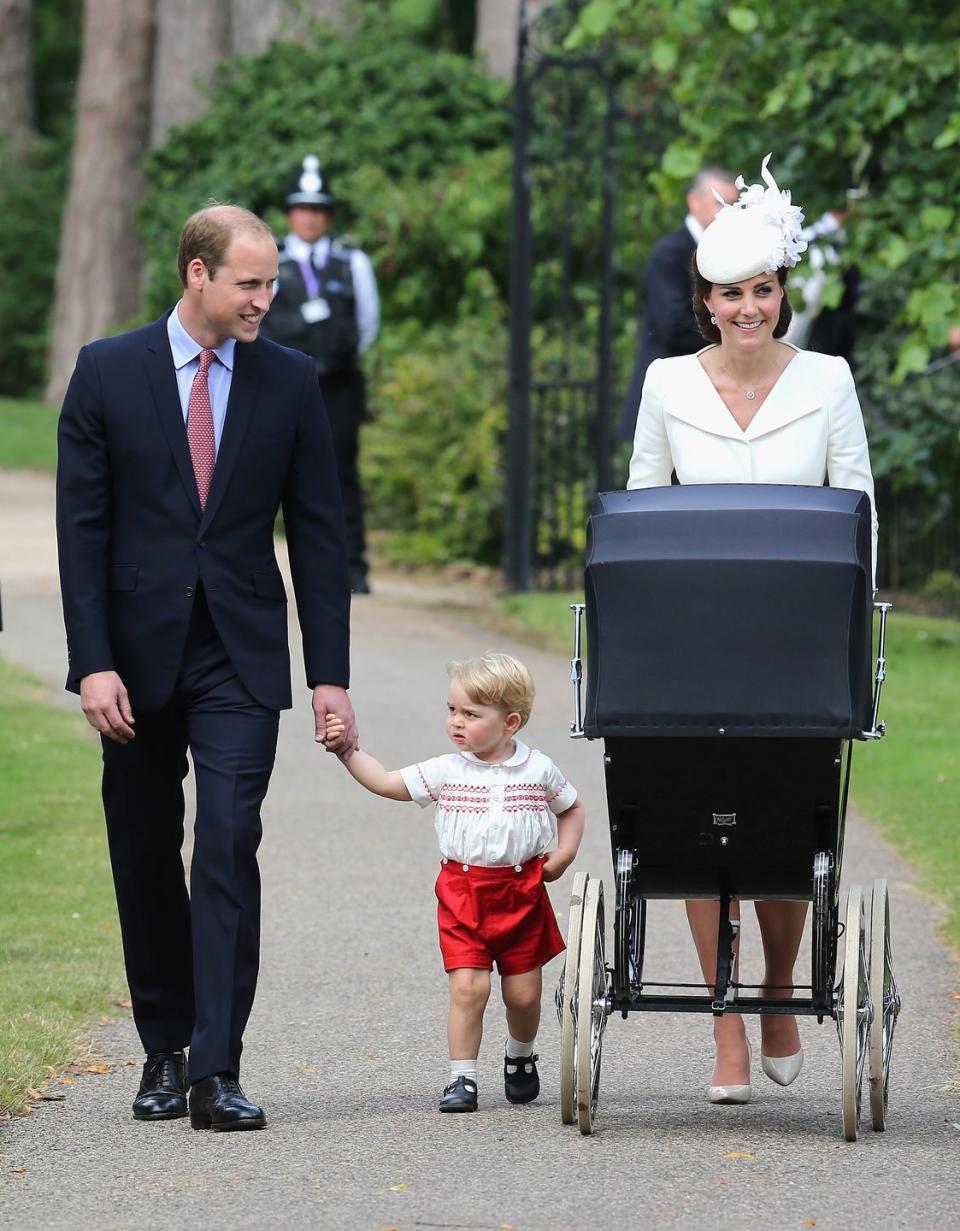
[{"x": 759, "y": 233}]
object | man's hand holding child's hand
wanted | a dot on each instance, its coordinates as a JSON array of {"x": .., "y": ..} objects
[{"x": 332, "y": 732}]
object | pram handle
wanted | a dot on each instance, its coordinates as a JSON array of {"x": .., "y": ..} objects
[
  {"x": 878, "y": 729},
  {"x": 576, "y": 672}
]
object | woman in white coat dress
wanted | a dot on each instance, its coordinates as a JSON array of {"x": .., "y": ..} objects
[{"x": 751, "y": 409}]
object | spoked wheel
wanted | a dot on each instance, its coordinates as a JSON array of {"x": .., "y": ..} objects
[
  {"x": 567, "y": 1003},
  {"x": 591, "y": 1006},
  {"x": 824, "y": 928},
  {"x": 885, "y": 1001},
  {"x": 853, "y": 1013}
]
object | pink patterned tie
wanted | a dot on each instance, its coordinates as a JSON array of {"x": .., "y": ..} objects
[{"x": 203, "y": 446}]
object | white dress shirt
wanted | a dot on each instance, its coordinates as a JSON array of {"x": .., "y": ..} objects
[
  {"x": 492, "y": 815},
  {"x": 808, "y": 428},
  {"x": 186, "y": 360},
  {"x": 364, "y": 282}
]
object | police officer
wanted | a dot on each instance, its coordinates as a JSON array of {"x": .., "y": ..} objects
[{"x": 326, "y": 305}]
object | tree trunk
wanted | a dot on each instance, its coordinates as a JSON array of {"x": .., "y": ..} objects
[
  {"x": 98, "y": 278},
  {"x": 497, "y": 34},
  {"x": 255, "y": 23},
  {"x": 17, "y": 118},
  {"x": 191, "y": 40}
]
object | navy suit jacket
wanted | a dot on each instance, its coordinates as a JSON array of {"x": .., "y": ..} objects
[
  {"x": 134, "y": 543},
  {"x": 669, "y": 327}
]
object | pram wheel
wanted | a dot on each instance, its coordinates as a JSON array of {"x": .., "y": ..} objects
[
  {"x": 886, "y": 1004},
  {"x": 853, "y": 1013},
  {"x": 567, "y": 1002},
  {"x": 591, "y": 1005}
]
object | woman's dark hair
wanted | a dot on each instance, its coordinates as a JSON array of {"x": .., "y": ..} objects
[{"x": 702, "y": 288}]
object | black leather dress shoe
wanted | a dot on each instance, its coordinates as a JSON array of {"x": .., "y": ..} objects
[
  {"x": 521, "y": 1081},
  {"x": 163, "y": 1087},
  {"x": 217, "y": 1102}
]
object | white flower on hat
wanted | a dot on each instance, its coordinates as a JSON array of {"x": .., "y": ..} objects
[{"x": 758, "y": 233}]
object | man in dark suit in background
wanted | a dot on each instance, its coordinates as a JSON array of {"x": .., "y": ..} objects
[
  {"x": 669, "y": 327},
  {"x": 177, "y": 446}
]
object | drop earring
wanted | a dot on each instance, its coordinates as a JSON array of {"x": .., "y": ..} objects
[{"x": 713, "y": 319}]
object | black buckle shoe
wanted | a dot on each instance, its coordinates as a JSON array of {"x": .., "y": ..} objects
[
  {"x": 460, "y": 1095},
  {"x": 521, "y": 1081},
  {"x": 217, "y": 1102},
  {"x": 163, "y": 1087}
]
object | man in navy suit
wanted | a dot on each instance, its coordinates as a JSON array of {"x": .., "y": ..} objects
[
  {"x": 178, "y": 442},
  {"x": 669, "y": 326}
]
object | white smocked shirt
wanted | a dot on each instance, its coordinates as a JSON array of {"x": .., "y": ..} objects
[{"x": 492, "y": 815}]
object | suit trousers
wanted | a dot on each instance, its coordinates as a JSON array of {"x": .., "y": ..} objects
[
  {"x": 345, "y": 399},
  {"x": 192, "y": 961}
]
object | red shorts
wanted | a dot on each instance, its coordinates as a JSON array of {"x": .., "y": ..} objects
[{"x": 501, "y": 915}]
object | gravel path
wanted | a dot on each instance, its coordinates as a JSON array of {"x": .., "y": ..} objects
[{"x": 346, "y": 1045}]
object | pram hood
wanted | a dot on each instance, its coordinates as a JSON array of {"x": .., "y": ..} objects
[{"x": 729, "y": 610}]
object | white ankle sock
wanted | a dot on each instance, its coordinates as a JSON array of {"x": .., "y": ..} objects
[
  {"x": 463, "y": 1068},
  {"x": 517, "y": 1050}
]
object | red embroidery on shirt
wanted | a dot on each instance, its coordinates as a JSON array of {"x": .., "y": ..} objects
[
  {"x": 426, "y": 785},
  {"x": 464, "y": 797},
  {"x": 559, "y": 789}
]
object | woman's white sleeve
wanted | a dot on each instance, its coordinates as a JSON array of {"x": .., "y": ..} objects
[
  {"x": 652, "y": 462},
  {"x": 848, "y": 457}
]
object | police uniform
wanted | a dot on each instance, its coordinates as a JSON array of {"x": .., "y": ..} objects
[{"x": 326, "y": 305}]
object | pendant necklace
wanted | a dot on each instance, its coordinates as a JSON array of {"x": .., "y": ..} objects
[{"x": 749, "y": 394}]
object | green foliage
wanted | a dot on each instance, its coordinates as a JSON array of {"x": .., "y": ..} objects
[
  {"x": 431, "y": 455},
  {"x": 416, "y": 143},
  {"x": 57, "y": 35},
  {"x": 944, "y": 585},
  {"x": 397, "y": 126},
  {"x": 863, "y": 97},
  {"x": 32, "y": 187}
]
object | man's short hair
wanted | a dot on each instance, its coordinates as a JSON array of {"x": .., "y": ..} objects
[
  {"x": 206, "y": 235},
  {"x": 707, "y": 174}
]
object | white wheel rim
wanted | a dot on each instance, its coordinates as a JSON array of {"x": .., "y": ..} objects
[
  {"x": 853, "y": 1016},
  {"x": 591, "y": 1014},
  {"x": 566, "y": 1001},
  {"x": 886, "y": 1004}
]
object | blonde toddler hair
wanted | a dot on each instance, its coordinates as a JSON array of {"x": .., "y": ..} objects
[{"x": 496, "y": 679}]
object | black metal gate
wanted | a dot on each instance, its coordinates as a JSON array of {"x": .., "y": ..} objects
[{"x": 559, "y": 436}]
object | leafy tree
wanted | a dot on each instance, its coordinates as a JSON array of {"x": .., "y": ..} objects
[
  {"x": 32, "y": 188},
  {"x": 863, "y": 97},
  {"x": 416, "y": 143}
]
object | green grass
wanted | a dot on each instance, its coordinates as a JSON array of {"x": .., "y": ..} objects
[
  {"x": 909, "y": 783},
  {"x": 60, "y": 963},
  {"x": 28, "y": 435}
]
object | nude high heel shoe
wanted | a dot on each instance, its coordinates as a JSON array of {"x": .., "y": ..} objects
[
  {"x": 732, "y": 1094},
  {"x": 782, "y": 1069}
]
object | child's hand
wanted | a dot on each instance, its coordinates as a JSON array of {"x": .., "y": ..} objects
[
  {"x": 555, "y": 864},
  {"x": 333, "y": 729}
]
